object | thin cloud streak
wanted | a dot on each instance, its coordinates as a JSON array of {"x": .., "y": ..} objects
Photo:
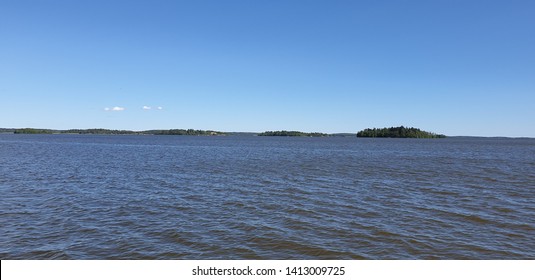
[
  {"x": 152, "y": 108},
  {"x": 116, "y": 108}
]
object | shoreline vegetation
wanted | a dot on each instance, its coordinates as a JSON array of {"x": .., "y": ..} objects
[
  {"x": 392, "y": 132},
  {"x": 193, "y": 132},
  {"x": 293, "y": 133},
  {"x": 102, "y": 131},
  {"x": 397, "y": 132}
]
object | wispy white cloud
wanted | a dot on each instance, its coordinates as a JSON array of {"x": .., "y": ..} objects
[
  {"x": 152, "y": 108},
  {"x": 116, "y": 108}
]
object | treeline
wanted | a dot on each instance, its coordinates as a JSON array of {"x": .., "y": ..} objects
[
  {"x": 292, "y": 133},
  {"x": 33, "y": 131},
  {"x": 184, "y": 132},
  {"x": 392, "y": 132},
  {"x": 398, "y": 132},
  {"x": 99, "y": 131},
  {"x": 112, "y": 131}
]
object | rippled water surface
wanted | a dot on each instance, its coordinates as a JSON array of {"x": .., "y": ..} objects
[{"x": 246, "y": 197}]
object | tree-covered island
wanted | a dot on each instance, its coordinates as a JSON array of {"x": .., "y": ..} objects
[
  {"x": 398, "y": 132},
  {"x": 292, "y": 133}
]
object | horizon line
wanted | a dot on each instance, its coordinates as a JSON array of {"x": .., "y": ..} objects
[{"x": 2, "y": 129}]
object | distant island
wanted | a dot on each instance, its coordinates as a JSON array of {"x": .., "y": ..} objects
[
  {"x": 292, "y": 133},
  {"x": 398, "y": 132},
  {"x": 194, "y": 132}
]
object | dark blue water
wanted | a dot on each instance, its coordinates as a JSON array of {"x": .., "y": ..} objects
[{"x": 187, "y": 197}]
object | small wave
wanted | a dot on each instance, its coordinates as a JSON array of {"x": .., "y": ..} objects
[
  {"x": 474, "y": 218},
  {"x": 290, "y": 247},
  {"x": 47, "y": 255},
  {"x": 174, "y": 236},
  {"x": 171, "y": 255}
]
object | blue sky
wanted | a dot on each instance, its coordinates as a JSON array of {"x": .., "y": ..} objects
[{"x": 452, "y": 67}]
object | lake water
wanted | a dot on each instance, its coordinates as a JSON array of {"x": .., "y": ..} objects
[{"x": 247, "y": 197}]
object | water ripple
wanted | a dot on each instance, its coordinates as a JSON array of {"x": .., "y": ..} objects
[{"x": 133, "y": 197}]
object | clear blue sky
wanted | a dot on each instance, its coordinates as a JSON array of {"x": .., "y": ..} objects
[{"x": 454, "y": 67}]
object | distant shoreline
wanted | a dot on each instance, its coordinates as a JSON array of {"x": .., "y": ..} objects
[
  {"x": 102, "y": 131},
  {"x": 194, "y": 132},
  {"x": 191, "y": 132}
]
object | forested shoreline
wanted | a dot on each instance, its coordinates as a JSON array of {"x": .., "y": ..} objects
[
  {"x": 292, "y": 133},
  {"x": 112, "y": 131},
  {"x": 391, "y": 132}
]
